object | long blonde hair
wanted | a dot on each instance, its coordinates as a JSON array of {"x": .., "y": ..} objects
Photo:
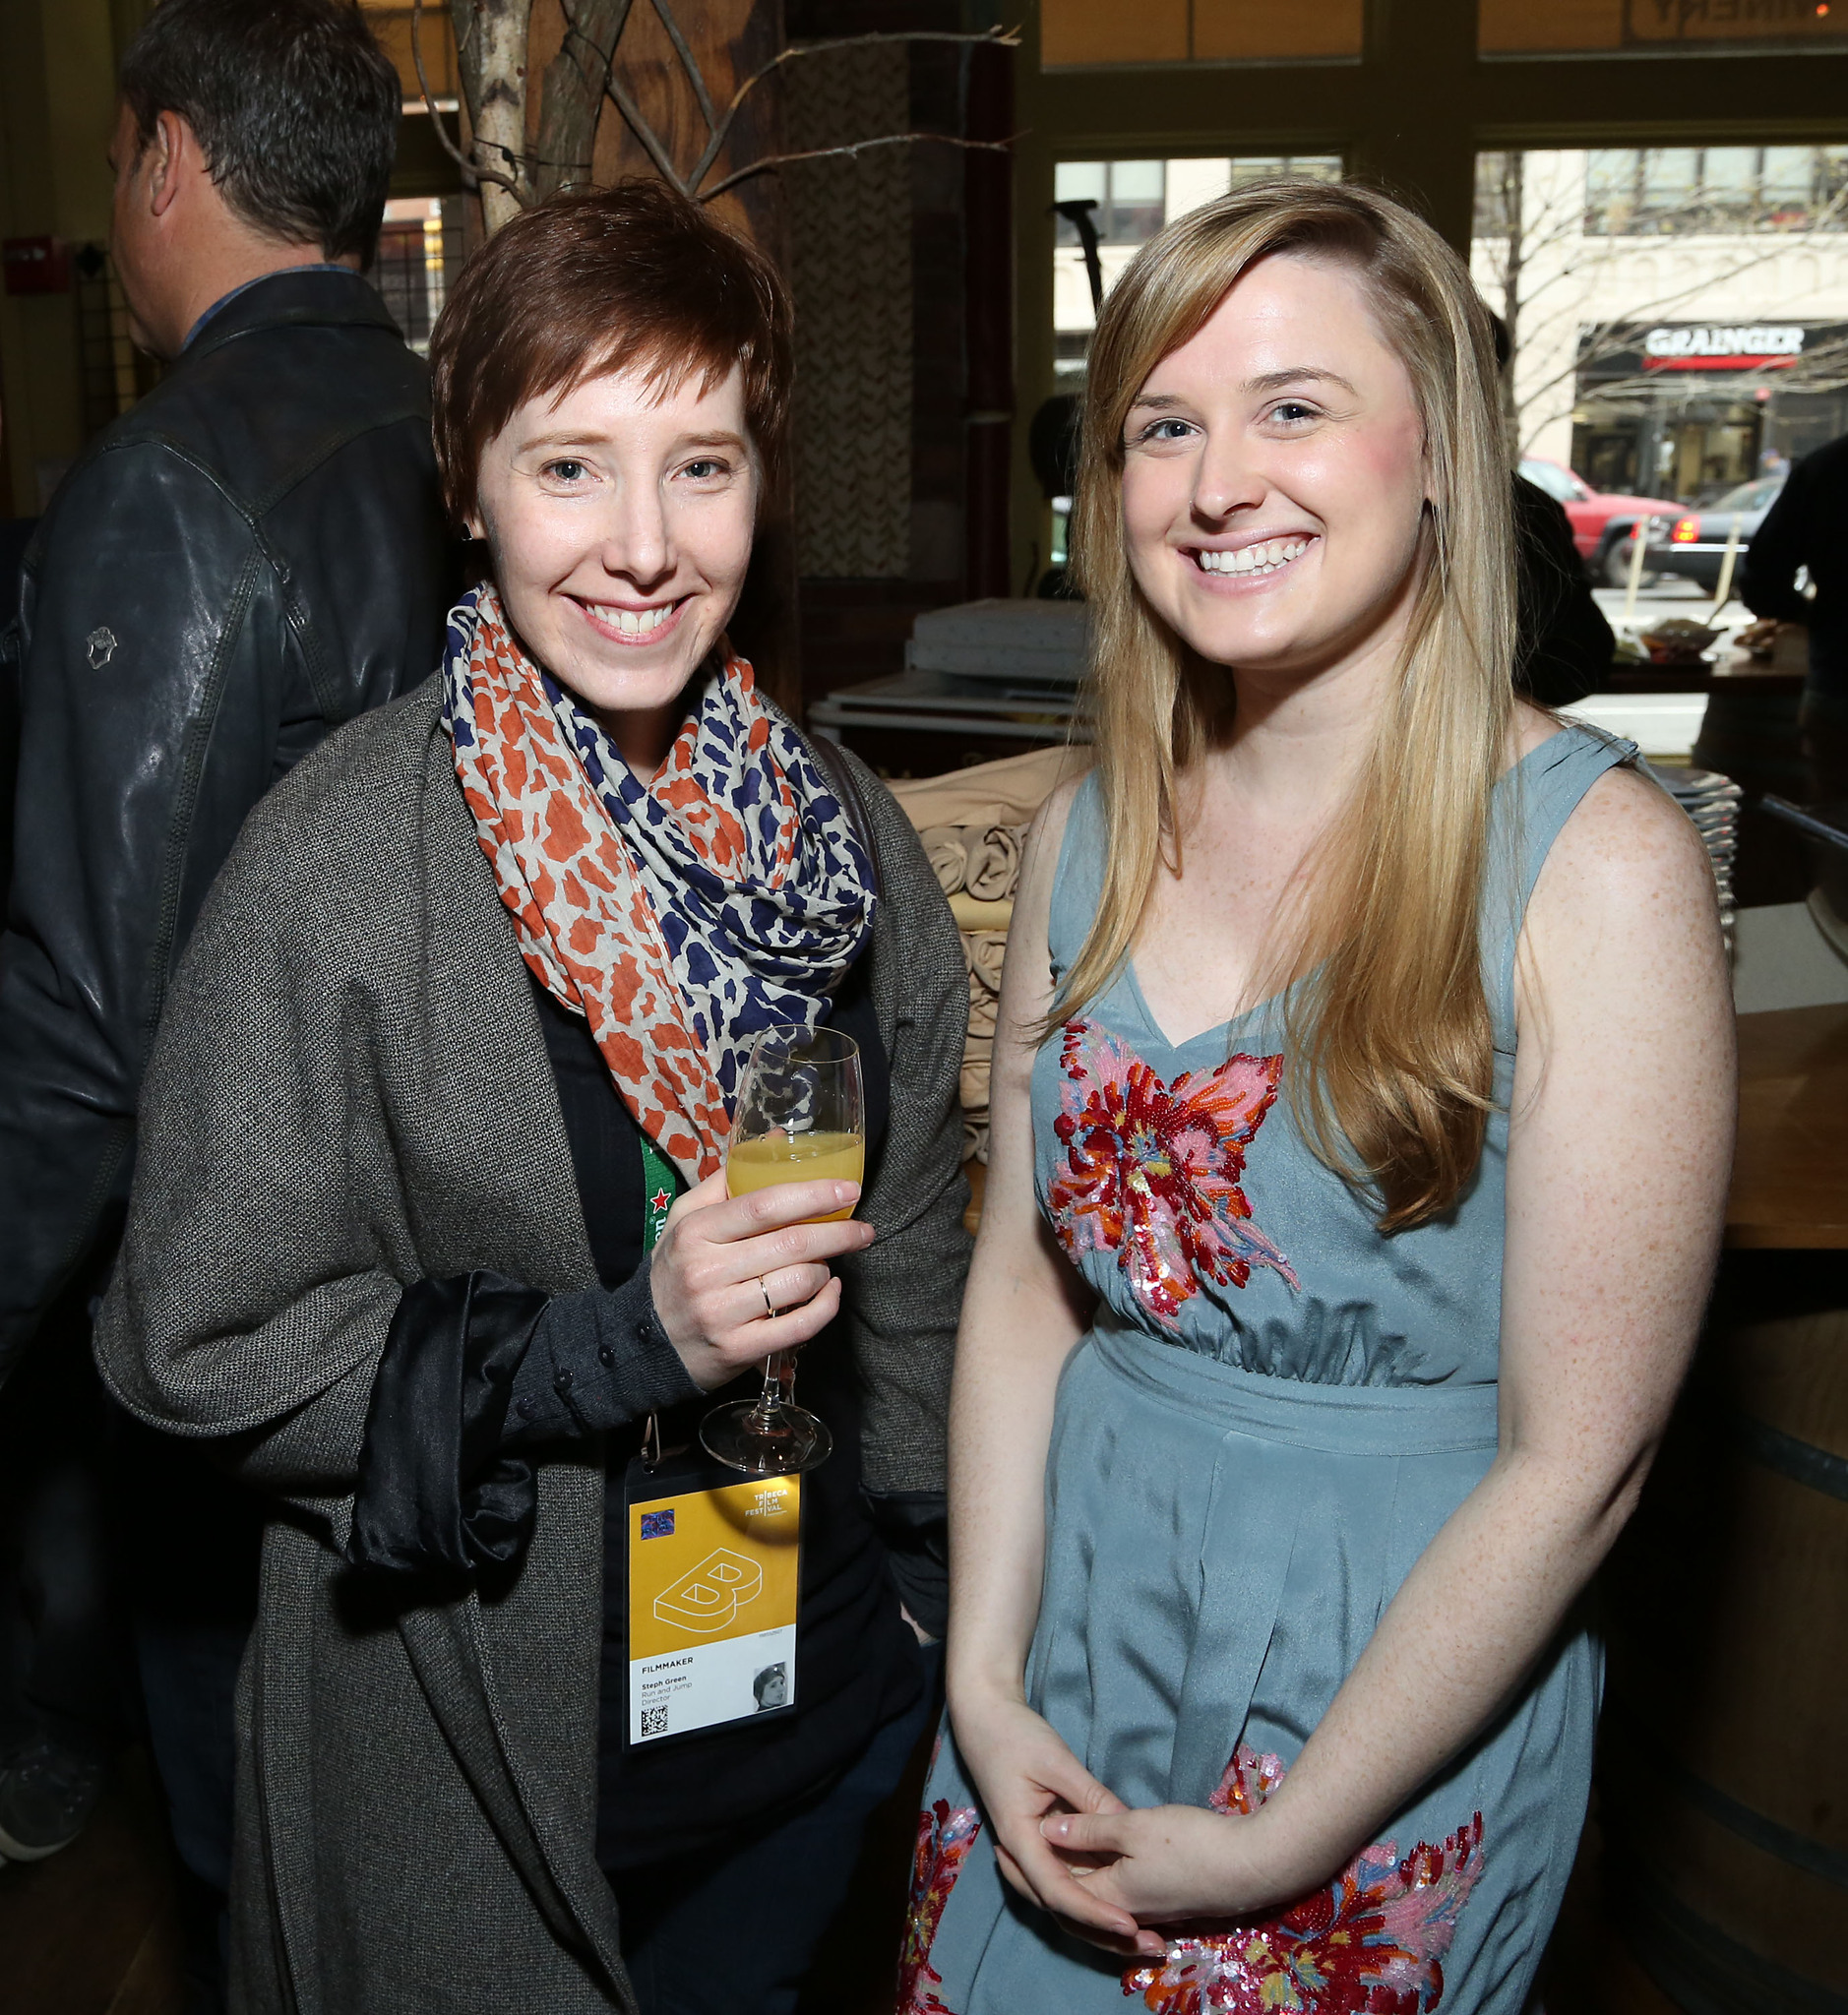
[{"x": 1391, "y": 1021}]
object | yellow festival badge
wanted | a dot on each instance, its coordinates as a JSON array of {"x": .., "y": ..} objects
[{"x": 714, "y": 1578}]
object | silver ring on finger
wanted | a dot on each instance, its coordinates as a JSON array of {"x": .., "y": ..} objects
[{"x": 770, "y": 1308}]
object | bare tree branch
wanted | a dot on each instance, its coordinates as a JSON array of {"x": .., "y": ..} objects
[
  {"x": 643, "y": 132},
  {"x": 568, "y": 81},
  {"x": 665, "y": 13},
  {"x": 994, "y": 37},
  {"x": 468, "y": 167},
  {"x": 818, "y": 153}
]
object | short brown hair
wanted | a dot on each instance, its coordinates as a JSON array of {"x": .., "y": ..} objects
[{"x": 605, "y": 279}]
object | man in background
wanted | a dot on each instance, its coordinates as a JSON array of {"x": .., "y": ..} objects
[
  {"x": 252, "y": 556},
  {"x": 1808, "y": 527}
]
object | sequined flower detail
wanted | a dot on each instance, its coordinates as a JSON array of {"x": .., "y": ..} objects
[
  {"x": 1371, "y": 1943},
  {"x": 945, "y": 1835},
  {"x": 1152, "y": 1170}
]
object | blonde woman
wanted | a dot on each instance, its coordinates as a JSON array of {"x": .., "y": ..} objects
[{"x": 1362, "y": 1112}]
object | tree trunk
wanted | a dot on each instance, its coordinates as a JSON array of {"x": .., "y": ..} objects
[{"x": 491, "y": 53}]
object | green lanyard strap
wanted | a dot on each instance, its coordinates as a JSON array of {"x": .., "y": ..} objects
[{"x": 660, "y": 1184}]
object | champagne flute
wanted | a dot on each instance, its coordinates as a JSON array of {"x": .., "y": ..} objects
[{"x": 801, "y": 1117}]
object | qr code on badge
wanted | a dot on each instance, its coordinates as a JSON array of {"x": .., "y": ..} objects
[{"x": 655, "y": 1721}]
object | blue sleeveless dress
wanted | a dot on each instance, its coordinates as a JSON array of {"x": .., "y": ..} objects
[{"x": 1273, "y": 1414}]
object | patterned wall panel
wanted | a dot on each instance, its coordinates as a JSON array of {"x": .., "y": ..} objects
[{"x": 851, "y": 256}]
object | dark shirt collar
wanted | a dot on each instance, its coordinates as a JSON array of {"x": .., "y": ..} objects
[{"x": 223, "y": 301}]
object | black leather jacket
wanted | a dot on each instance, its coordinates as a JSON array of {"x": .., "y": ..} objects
[{"x": 249, "y": 556}]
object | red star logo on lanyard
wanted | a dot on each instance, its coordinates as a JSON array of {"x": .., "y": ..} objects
[{"x": 660, "y": 1201}]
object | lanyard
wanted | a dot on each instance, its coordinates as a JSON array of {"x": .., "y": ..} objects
[
  {"x": 714, "y": 1574},
  {"x": 660, "y": 1184}
]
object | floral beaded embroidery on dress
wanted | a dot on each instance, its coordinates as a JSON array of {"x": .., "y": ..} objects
[
  {"x": 1151, "y": 1168},
  {"x": 1371, "y": 1943},
  {"x": 945, "y": 1835}
]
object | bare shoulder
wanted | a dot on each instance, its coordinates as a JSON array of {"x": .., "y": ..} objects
[
  {"x": 1047, "y": 828},
  {"x": 1625, "y": 844},
  {"x": 1625, "y": 918},
  {"x": 1045, "y": 837}
]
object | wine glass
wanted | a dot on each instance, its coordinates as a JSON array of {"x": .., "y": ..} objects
[{"x": 801, "y": 1117}]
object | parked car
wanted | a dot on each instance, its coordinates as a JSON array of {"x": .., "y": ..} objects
[
  {"x": 1692, "y": 543},
  {"x": 1602, "y": 522}
]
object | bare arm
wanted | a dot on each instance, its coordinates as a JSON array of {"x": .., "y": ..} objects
[
  {"x": 1621, "y": 1142},
  {"x": 1025, "y": 1310}
]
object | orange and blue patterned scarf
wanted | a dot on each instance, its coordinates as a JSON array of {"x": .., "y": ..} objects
[{"x": 679, "y": 917}]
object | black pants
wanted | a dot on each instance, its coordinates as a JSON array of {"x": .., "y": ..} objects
[
  {"x": 191, "y": 1545},
  {"x": 64, "y": 1664},
  {"x": 707, "y": 1935}
]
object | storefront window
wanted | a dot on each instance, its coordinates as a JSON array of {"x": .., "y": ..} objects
[
  {"x": 1544, "y": 27},
  {"x": 1672, "y": 371},
  {"x": 1083, "y": 32}
]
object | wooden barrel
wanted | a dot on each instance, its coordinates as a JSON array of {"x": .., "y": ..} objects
[
  {"x": 1724, "y": 1759},
  {"x": 1750, "y": 733}
]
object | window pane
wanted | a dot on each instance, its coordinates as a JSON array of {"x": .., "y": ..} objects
[
  {"x": 1506, "y": 27},
  {"x": 1670, "y": 176},
  {"x": 1074, "y": 180},
  {"x": 1673, "y": 371},
  {"x": 1226, "y": 29},
  {"x": 1731, "y": 174},
  {"x": 1108, "y": 31},
  {"x": 1610, "y": 177},
  {"x": 1136, "y": 181},
  {"x": 1078, "y": 182},
  {"x": 1138, "y": 198},
  {"x": 1207, "y": 30}
]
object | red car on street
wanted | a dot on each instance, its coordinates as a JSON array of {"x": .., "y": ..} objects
[{"x": 1601, "y": 523}]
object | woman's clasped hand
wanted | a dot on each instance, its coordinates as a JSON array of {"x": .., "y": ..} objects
[
  {"x": 1069, "y": 1844},
  {"x": 724, "y": 1263}
]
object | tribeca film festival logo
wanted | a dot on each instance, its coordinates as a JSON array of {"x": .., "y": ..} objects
[{"x": 707, "y": 1600}]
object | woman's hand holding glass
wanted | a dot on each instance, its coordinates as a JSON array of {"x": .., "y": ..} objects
[{"x": 724, "y": 1262}]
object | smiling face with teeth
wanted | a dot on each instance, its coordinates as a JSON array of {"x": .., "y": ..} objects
[
  {"x": 1273, "y": 481},
  {"x": 620, "y": 519}
]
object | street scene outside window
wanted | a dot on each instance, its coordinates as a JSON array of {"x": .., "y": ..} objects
[{"x": 1678, "y": 316}]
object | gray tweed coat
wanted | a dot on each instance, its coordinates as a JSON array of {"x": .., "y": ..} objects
[{"x": 349, "y": 1091}]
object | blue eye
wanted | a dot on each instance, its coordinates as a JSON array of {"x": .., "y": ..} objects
[
  {"x": 567, "y": 471},
  {"x": 1166, "y": 430},
  {"x": 704, "y": 469},
  {"x": 1292, "y": 410}
]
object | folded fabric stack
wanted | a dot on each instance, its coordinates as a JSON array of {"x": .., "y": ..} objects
[
  {"x": 1711, "y": 801},
  {"x": 972, "y": 823},
  {"x": 978, "y": 868}
]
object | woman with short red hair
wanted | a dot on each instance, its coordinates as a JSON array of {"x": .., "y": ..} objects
[{"x": 470, "y": 1004}]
